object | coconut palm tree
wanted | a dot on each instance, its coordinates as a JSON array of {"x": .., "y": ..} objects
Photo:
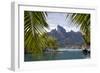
[
  {"x": 83, "y": 20},
  {"x": 34, "y": 26}
]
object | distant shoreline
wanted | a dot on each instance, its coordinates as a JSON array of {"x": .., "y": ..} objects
[{"x": 66, "y": 49}]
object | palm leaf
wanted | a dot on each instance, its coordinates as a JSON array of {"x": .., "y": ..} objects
[
  {"x": 34, "y": 24},
  {"x": 83, "y": 20}
]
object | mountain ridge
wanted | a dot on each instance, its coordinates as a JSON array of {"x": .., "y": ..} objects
[{"x": 67, "y": 39}]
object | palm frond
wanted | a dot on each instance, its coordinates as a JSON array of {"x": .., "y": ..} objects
[
  {"x": 82, "y": 20},
  {"x": 34, "y": 24}
]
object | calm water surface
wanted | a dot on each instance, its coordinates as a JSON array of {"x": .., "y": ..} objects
[{"x": 59, "y": 55}]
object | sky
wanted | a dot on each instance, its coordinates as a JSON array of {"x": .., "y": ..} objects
[{"x": 59, "y": 18}]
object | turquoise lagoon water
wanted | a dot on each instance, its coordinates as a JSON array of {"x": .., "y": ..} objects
[{"x": 60, "y": 54}]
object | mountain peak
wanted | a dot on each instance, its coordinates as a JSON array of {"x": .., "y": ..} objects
[
  {"x": 67, "y": 38},
  {"x": 61, "y": 29}
]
